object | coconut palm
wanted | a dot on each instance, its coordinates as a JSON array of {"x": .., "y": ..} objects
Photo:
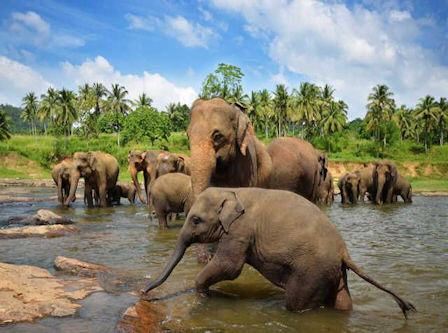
[
  {"x": 5, "y": 131},
  {"x": 99, "y": 91},
  {"x": 280, "y": 103},
  {"x": 66, "y": 111},
  {"x": 307, "y": 104},
  {"x": 239, "y": 97},
  {"x": 426, "y": 111},
  {"x": 334, "y": 118},
  {"x": 253, "y": 105},
  {"x": 118, "y": 104},
  {"x": 381, "y": 106},
  {"x": 30, "y": 105},
  {"x": 48, "y": 106},
  {"x": 404, "y": 119},
  {"x": 442, "y": 118},
  {"x": 143, "y": 100},
  {"x": 265, "y": 112}
]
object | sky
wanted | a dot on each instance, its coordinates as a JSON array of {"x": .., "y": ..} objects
[{"x": 166, "y": 48}]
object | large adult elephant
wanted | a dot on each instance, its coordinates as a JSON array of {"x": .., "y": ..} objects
[
  {"x": 224, "y": 149},
  {"x": 100, "y": 172},
  {"x": 385, "y": 176},
  {"x": 147, "y": 163},
  {"x": 61, "y": 174},
  {"x": 366, "y": 183}
]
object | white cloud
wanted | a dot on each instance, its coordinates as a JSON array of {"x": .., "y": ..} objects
[
  {"x": 16, "y": 80},
  {"x": 188, "y": 33},
  {"x": 206, "y": 15},
  {"x": 161, "y": 90},
  {"x": 352, "y": 49},
  {"x": 31, "y": 28}
]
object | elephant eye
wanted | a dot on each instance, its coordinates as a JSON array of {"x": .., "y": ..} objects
[
  {"x": 196, "y": 220},
  {"x": 217, "y": 137}
]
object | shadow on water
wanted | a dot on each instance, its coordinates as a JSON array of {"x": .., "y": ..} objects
[{"x": 402, "y": 246}]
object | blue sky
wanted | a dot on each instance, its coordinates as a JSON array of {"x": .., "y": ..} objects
[{"x": 165, "y": 48}]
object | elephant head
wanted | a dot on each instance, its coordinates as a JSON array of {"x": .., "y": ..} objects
[
  {"x": 323, "y": 166},
  {"x": 209, "y": 218},
  {"x": 84, "y": 165},
  {"x": 220, "y": 135},
  {"x": 384, "y": 177},
  {"x": 136, "y": 163},
  {"x": 61, "y": 175},
  {"x": 168, "y": 163},
  {"x": 352, "y": 186}
]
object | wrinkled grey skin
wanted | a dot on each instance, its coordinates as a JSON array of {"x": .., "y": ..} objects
[
  {"x": 402, "y": 188},
  {"x": 121, "y": 190},
  {"x": 349, "y": 188},
  {"x": 325, "y": 190},
  {"x": 171, "y": 162},
  {"x": 249, "y": 224},
  {"x": 385, "y": 176},
  {"x": 171, "y": 193},
  {"x": 61, "y": 174}
]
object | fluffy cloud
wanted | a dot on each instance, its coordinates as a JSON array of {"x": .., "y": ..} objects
[
  {"x": 351, "y": 48},
  {"x": 31, "y": 28},
  {"x": 17, "y": 79},
  {"x": 178, "y": 27},
  {"x": 161, "y": 90}
]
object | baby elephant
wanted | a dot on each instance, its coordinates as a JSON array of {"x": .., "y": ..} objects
[
  {"x": 249, "y": 224},
  {"x": 171, "y": 193},
  {"x": 124, "y": 191},
  {"x": 349, "y": 187},
  {"x": 402, "y": 188}
]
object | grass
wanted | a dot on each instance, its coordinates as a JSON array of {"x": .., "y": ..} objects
[{"x": 429, "y": 185}]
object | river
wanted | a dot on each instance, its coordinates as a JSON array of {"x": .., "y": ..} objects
[{"x": 403, "y": 246}]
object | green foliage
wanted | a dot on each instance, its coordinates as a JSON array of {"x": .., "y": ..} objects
[
  {"x": 17, "y": 125},
  {"x": 146, "y": 124},
  {"x": 5, "y": 132},
  {"x": 109, "y": 122},
  {"x": 179, "y": 115}
]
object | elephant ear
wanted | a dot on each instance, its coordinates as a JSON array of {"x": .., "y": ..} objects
[
  {"x": 180, "y": 167},
  {"x": 229, "y": 210},
  {"x": 92, "y": 161},
  {"x": 244, "y": 132}
]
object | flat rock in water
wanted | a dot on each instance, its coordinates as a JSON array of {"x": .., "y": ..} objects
[
  {"x": 28, "y": 293},
  {"x": 141, "y": 317},
  {"x": 42, "y": 217},
  {"x": 55, "y": 230},
  {"x": 78, "y": 267}
]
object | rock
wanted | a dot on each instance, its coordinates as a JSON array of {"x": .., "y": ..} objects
[
  {"x": 55, "y": 230},
  {"x": 141, "y": 317},
  {"x": 28, "y": 293},
  {"x": 78, "y": 267},
  {"x": 42, "y": 217}
]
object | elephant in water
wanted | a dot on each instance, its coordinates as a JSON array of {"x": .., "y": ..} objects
[
  {"x": 282, "y": 235},
  {"x": 349, "y": 188},
  {"x": 61, "y": 174},
  {"x": 402, "y": 188},
  {"x": 385, "y": 176},
  {"x": 100, "y": 172}
]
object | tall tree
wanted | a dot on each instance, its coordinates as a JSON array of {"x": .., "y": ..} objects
[
  {"x": 118, "y": 104},
  {"x": 442, "y": 118},
  {"x": 48, "y": 107},
  {"x": 265, "y": 112},
  {"x": 5, "y": 131},
  {"x": 307, "y": 105},
  {"x": 334, "y": 118},
  {"x": 99, "y": 91},
  {"x": 425, "y": 111},
  {"x": 224, "y": 82},
  {"x": 30, "y": 105},
  {"x": 280, "y": 103},
  {"x": 143, "y": 100},
  {"x": 404, "y": 120},
  {"x": 67, "y": 113}
]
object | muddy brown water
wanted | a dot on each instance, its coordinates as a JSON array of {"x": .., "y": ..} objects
[{"x": 405, "y": 247}]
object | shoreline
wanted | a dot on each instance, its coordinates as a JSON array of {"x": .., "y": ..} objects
[{"x": 13, "y": 182}]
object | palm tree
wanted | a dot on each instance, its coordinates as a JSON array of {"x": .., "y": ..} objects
[
  {"x": 307, "y": 104},
  {"x": 426, "y": 110},
  {"x": 99, "y": 91},
  {"x": 381, "y": 106},
  {"x": 143, "y": 100},
  {"x": 67, "y": 113},
  {"x": 30, "y": 105},
  {"x": 5, "y": 132},
  {"x": 239, "y": 97},
  {"x": 442, "y": 118},
  {"x": 265, "y": 111},
  {"x": 334, "y": 118},
  {"x": 404, "y": 120},
  {"x": 253, "y": 105},
  {"x": 119, "y": 104},
  {"x": 280, "y": 106},
  {"x": 48, "y": 106}
]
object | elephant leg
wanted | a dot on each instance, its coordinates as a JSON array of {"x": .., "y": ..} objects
[
  {"x": 103, "y": 195},
  {"x": 302, "y": 292},
  {"x": 225, "y": 265},
  {"x": 88, "y": 195},
  {"x": 343, "y": 300}
]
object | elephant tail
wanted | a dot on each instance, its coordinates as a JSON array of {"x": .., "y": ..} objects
[{"x": 404, "y": 305}]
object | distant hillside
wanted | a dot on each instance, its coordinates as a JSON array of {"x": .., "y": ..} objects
[{"x": 17, "y": 124}]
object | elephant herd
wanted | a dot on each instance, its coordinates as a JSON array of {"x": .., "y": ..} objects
[{"x": 256, "y": 202}]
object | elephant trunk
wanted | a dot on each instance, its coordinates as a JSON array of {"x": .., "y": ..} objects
[
  {"x": 203, "y": 164},
  {"x": 60, "y": 194},
  {"x": 172, "y": 263},
  {"x": 379, "y": 190},
  {"x": 73, "y": 186},
  {"x": 133, "y": 171},
  {"x": 355, "y": 195}
]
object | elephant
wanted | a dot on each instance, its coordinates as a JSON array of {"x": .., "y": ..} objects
[
  {"x": 366, "y": 184},
  {"x": 100, "y": 172},
  {"x": 349, "y": 188},
  {"x": 402, "y": 188},
  {"x": 147, "y": 162},
  {"x": 224, "y": 149},
  {"x": 61, "y": 173},
  {"x": 171, "y": 162},
  {"x": 384, "y": 179},
  {"x": 249, "y": 225},
  {"x": 326, "y": 190},
  {"x": 124, "y": 191},
  {"x": 171, "y": 193}
]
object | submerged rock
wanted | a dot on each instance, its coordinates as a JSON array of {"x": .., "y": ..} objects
[
  {"x": 78, "y": 267},
  {"x": 42, "y": 217},
  {"x": 28, "y": 293},
  {"x": 141, "y": 317},
  {"x": 55, "y": 230}
]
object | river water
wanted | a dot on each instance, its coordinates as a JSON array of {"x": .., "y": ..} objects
[{"x": 404, "y": 247}]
